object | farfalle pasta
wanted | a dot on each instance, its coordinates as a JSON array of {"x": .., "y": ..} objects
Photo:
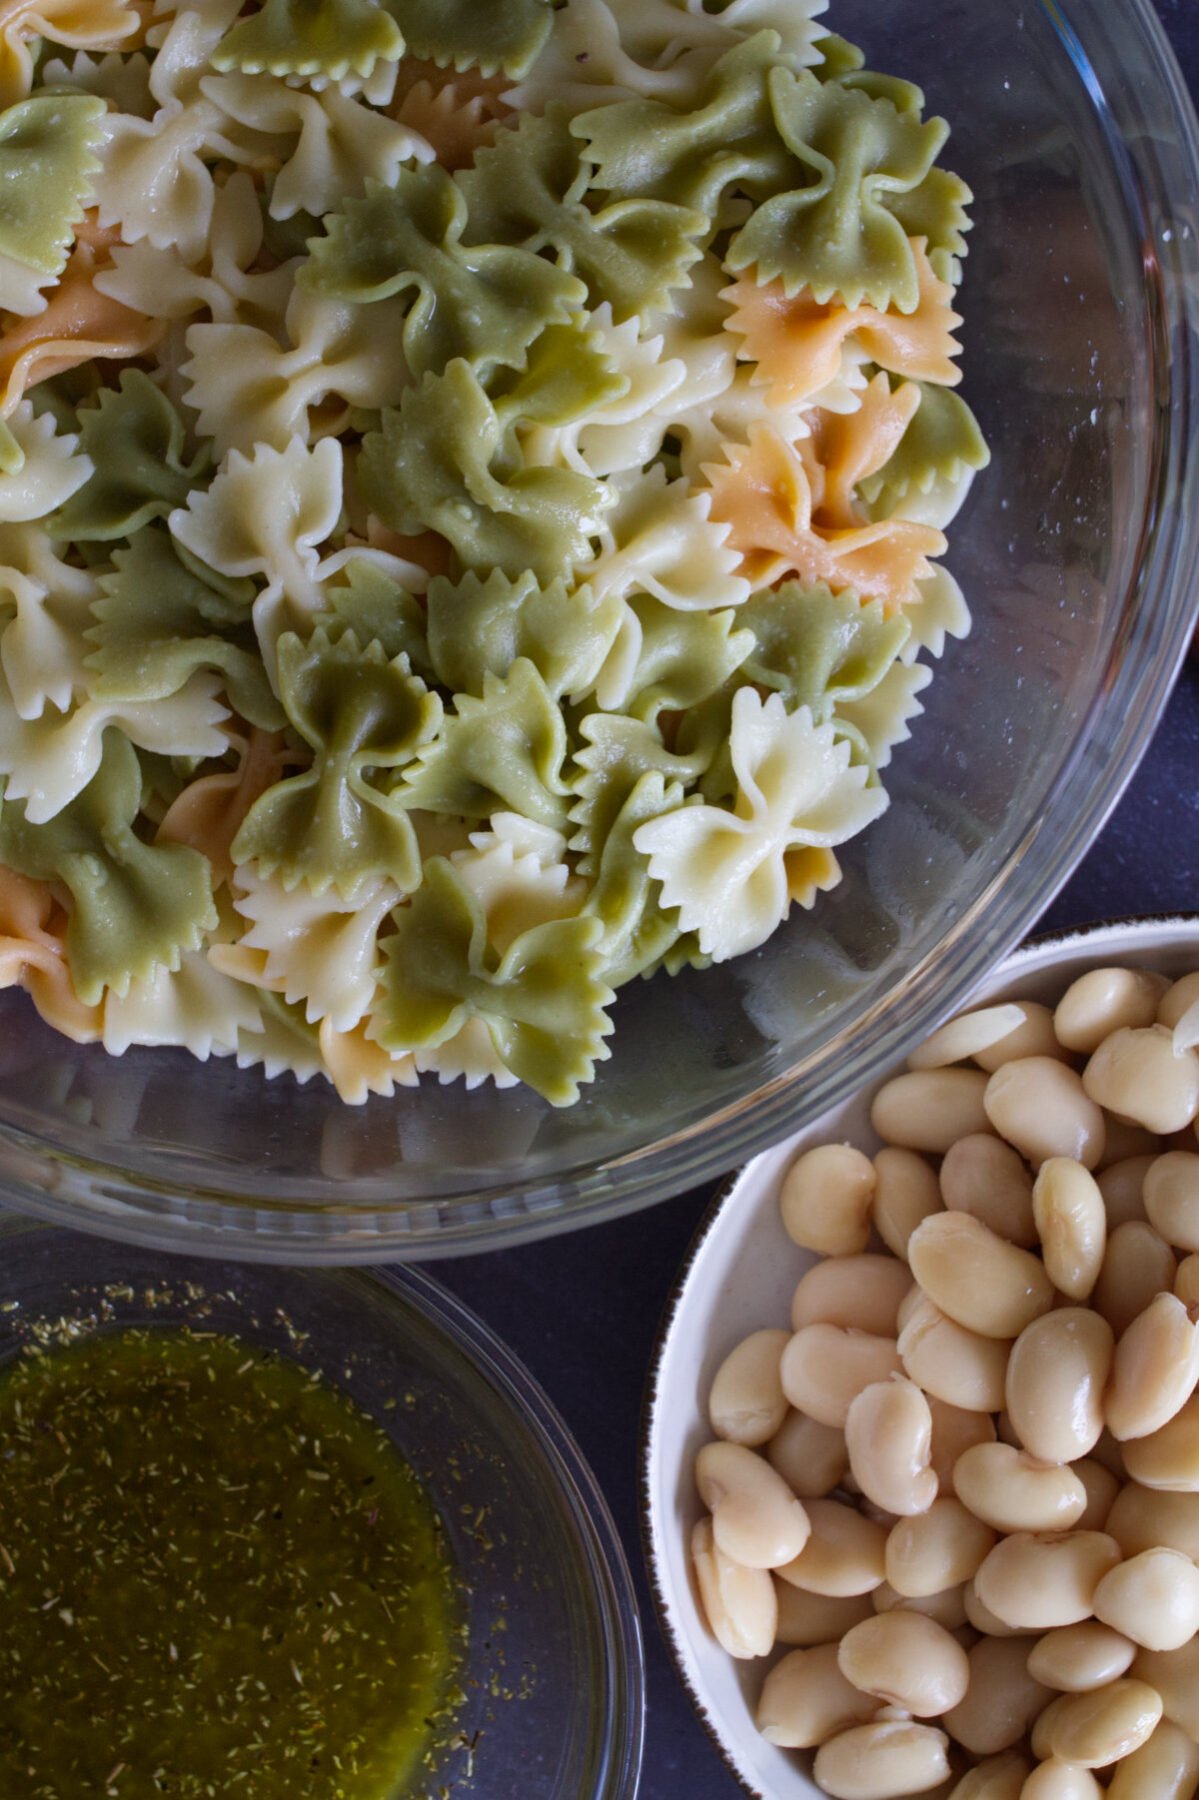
[{"x": 473, "y": 480}]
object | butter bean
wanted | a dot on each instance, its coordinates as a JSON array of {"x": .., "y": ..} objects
[
  {"x": 805, "y": 1620},
  {"x": 1122, "y": 1186},
  {"x": 1077, "y": 1658},
  {"x": 1168, "y": 1458},
  {"x": 739, "y": 1603},
  {"x": 954, "y": 1432},
  {"x": 1055, "y": 1383},
  {"x": 976, "y": 1278},
  {"x": 983, "y": 1620},
  {"x": 806, "y": 1700},
  {"x": 1040, "y": 1107},
  {"x": 825, "y": 1200},
  {"x": 845, "y": 1555},
  {"x": 1101, "y": 1490},
  {"x": 1137, "y": 1265},
  {"x": 1054, "y": 1780},
  {"x": 1178, "y": 1000},
  {"x": 756, "y": 1519},
  {"x": 1035, "y": 1037},
  {"x": 958, "y": 1366},
  {"x": 1096, "y": 1729},
  {"x": 1153, "y": 1599},
  {"x": 984, "y": 1176},
  {"x": 1142, "y": 1518},
  {"x": 1001, "y": 1701},
  {"x": 1186, "y": 1281},
  {"x": 1154, "y": 1371},
  {"x": 936, "y": 1550},
  {"x": 811, "y": 1458},
  {"x": 1171, "y": 1194},
  {"x": 858, "y": 1293},
  {"x": 1103, "y": 1001},
  {"x": 906, "y": 1660},
  {"x": 824, "y": 1369},
  {"x": 1046, "y": 1581},
  {"x": 882, "y": 1761},
  {"x": 889, "y": 1434},
  {"x": 930, "y": 1109},
  {"x": 1137, "y": 1074},
  {"x": 998, "y": 1778},
  {"x": 747, "y": 1404},
  {"x": 1164, "y": 1768},
  {"x": 948, "y": 1608},
  {"x": 905, "y": 1192},
  {"x": 1072, "y": 1225},
  {"x": 966, "y": 1035},
  {"x": 1174, "y": 1674},
  {"x": 1010, "y": 1491}
]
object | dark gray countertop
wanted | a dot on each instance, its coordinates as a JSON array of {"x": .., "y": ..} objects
[{"x": 583, "y": 1311}]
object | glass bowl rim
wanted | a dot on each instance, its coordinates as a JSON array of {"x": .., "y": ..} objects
[{"x": 598, "y": 1552}]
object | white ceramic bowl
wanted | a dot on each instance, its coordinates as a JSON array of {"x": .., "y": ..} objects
[{"x": 738, "y": 1277}]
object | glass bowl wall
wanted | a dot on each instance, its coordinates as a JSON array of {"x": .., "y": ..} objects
[{"x": 1077, "y": 552}]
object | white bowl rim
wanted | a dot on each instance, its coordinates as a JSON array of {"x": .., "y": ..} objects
[{"x": 1040, "y": 950}]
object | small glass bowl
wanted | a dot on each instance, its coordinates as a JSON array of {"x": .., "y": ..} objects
[
  {"x": 553, "y": 1672},
  {"x": 1079, "y": 553}
]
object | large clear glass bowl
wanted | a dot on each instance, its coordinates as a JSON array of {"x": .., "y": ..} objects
[
  {"x": 1078, "y": 552},
  {"x": 552, "y": 1674}
]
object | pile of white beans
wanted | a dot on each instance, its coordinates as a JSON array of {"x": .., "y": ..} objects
[{"x": 962, "y": 1491}]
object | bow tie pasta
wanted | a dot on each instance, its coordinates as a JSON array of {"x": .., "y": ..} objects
[{"x": 473, "y": 480}]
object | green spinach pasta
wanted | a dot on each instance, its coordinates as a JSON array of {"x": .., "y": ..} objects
[{"x": 472, "y": 484}]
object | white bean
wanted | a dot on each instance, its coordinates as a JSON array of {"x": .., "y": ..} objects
[
  {"x": 1047, "y": 1581},
  {"x": 1096, "y": 1729},
  {"x": 1168, "y": 1458},
  {"x": 948, "y": 1608},
  {"x": 958, "y": 1366},
  {"x": 1035, "y": 1037},
  {"x": 824, "y": 1369},
  {"x": 1040, "y": 1107},
  {"x": 858, "y": 1293},
  {"x": 1136, "y": 1073},
  {"x": 1178, "y": 1000},
  {"x": 936, "y": 1550},
  {"x": 998, "y": 1778},
  {"x": 739, "y": 1603},
  {"x": 966, "y": 1036},
  {"x": 747, "y": 1403},
  {"x": 1101, "y": 1490},
  {"x": 976, "y": 1278},
  {"x": 983, "y": 1620},
  {"x": 1174, "y": 1674},
  {"x": 805, "y": 1620},
  {"x": 1055, "y": 1383},
  {"x": 1103, "y": 1000},
  {"x": 1054, "y": 1780},
  {"x": 806, "y": 1700},
  {"x": 955, "y": 1432},
  {"x": 845, "y": 1555},
  {"x": 825, "y": 1200},
  {"x": 756, "y": 1519},
  {"x": 1171, "y": 1194},
  {"x": 905, "y": 1192},
  {"x": 906, "y": 1660},
  {"x": 1010, "y": 1491},
  {"x": 930, "y": 1109},
  {"x": 1077, "y": 1658},
  {"x": 882, "y": 1761},
  {"x": 1001, "y": 1701},
  {"x": 1165, "y": 1768},
  {"x": 1072, "y": 1225},
  {"x": 1137, "y": 1264},
  {"x": 1141, "y": 1519},
  {"x": 811, "y": 1458},
  {"x": 1186, "y": 1280},
  {"x": 984, "y": 1176},
  {"x": 1154, "y": 1371},
  {"x": 889, "y": 1434},
  {"x": 1122, "y": 1186},
  {"x": 1152, "y": 1598}
]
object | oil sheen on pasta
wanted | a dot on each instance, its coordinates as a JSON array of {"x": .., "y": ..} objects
[{"x": 217, "y": 1578}]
